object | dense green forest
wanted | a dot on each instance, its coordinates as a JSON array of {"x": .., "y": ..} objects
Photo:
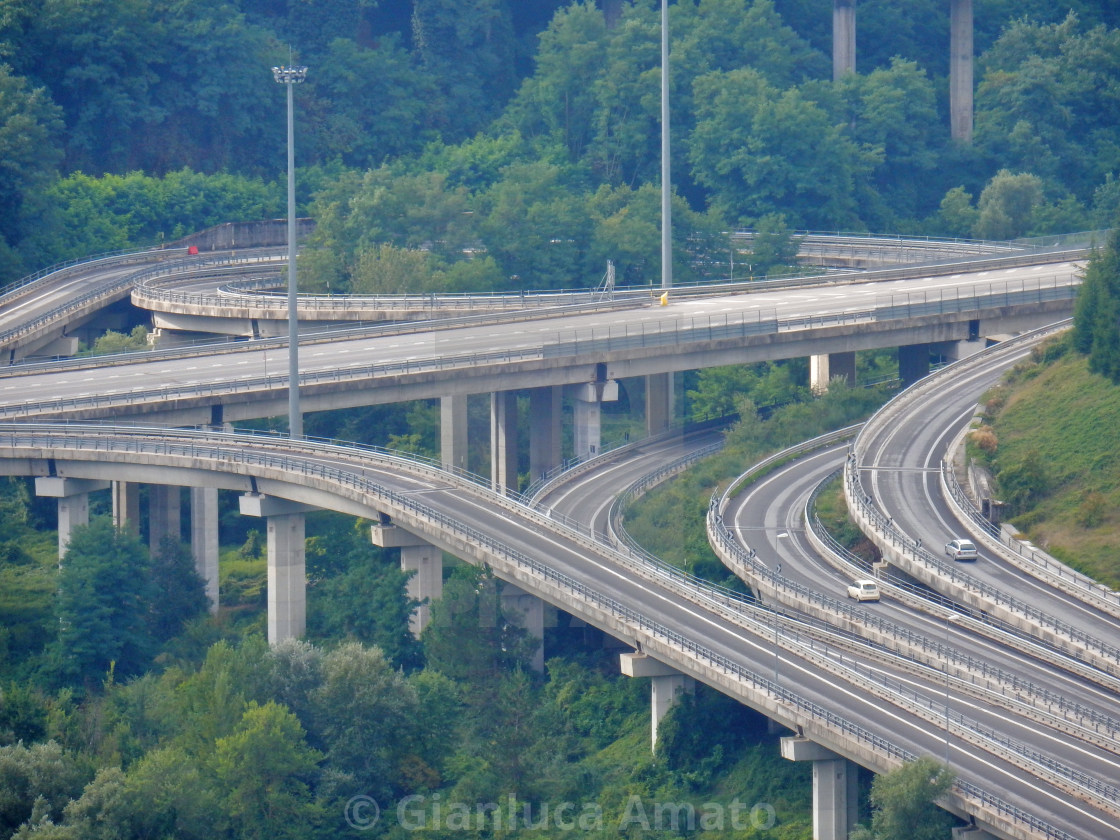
[
  {"x": 499, "y": 144},
  {"x": 478, "y": 145}
]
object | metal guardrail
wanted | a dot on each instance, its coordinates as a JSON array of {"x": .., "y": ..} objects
[
  {"x": 1028, "y": 557},
  {"x": 697, "y": 330},
  {"x": 883, "y": 526},
  {"x": 791, "y": 636},
  {"x": 216, "y": 447},
  {"x": 109, "y": 288}
]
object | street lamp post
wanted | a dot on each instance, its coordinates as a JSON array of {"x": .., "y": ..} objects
[
  {"x": 666, "y": 193},
  {"x": 289, "y": 77}
]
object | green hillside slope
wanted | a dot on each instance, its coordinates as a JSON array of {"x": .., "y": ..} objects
[{"x": 1056, "y": 442}]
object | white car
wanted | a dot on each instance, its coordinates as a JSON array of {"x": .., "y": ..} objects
[
  {"x": 961, "y": 549},
  {"x": 864, "y": 590}
]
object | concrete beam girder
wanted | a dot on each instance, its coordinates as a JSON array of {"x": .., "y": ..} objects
[
  {"x": 389, "y": 388},
  {"x": 254, "y": 504},
  {"x": 59, "y": 487}
]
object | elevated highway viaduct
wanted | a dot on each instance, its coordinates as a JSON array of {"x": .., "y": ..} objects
[{"x": 584, "y": 350}]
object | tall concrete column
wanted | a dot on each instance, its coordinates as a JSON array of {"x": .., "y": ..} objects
[
  {"x": 913, "y": 363},
  {"x": 544, "y": 430},
  {"x": 587, "y": 403},
  {"x": 73, "y": 502},
  {"x": 826, "y": 367},
  {"x": 287, "y": 564},
  {"x": 667, "y": 685},
  {"x": 453, "y": 431},
  {"x": 835, "y": 787},
  {"x": 287, "y": 578},
  {"x": 421, "y": 558},
  {"x": 526, "y": 611},
  {"x": 503, "y": 441},
  {"x": 204, "y": 539},
  {"x": 843, "y": 38},
  {"x": 126, "y": 506},
  {"x": 164, "y": 505},
  {"x": 960, "y": 70},
  {"x": 659, "y": 402}
]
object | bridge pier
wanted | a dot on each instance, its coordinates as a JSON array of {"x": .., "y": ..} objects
[
  {"x": 843, "y": 38},
  {"x": 828, "y": 366},
  {"x": 453, "y": 431},
  {"x": 126, "y": 506},
  {"x": 960, "y": 70},
  {"x": 287, "y": 564},
  {"x": 527, "y": 612},
  {"x": 835, "y": 787},
  {"x": 545, "y": 414},
  {"x": 913, "y": 363},
  {"x": 659, "y": 402},
  {"x": 420, "y": 557},
  {"x": 164, "y": 509},
  {"x": 73, "y": 503},
  {"x": 667, "y": 685},
  {"x": 503, "y": 442},
  {"x": 204, "y": 539},
  {"x": 588, "y": 400}
]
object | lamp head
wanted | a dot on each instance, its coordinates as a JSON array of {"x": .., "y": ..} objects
[{"x": 290, "y": 75}]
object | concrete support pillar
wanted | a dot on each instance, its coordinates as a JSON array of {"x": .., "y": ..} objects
[
  {"x": 824, "y": 368},
  {"x": 287, "y": 578},
  {"x": 659, "y": 402},
  {"x": 667, "y": 685},
  {"x": 426, "y": 585},
  {"x": 544, "y": 430},
  {"x": 527, "y": 612},
  {"x": 287, "y": 564},
  {"x": 960, "y": 70},
  {"x": 913, "y": 363},
  {"x": 453, "y": 431},
  {"x": 843, "y": 38},
  {"x": 126, "y": 506},
  {"x": 73, "y": 503},
  {"x": 503, "y": 441},
  {"x": 420, "y": 557},
  {"x": 588, "y": 401},
  {"x": 204, "y": 539},
  {"x": 835, "y": 787},
  {"x": 164, "y": 502}
]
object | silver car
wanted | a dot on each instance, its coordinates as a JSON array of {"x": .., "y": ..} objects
[
  {"x": 864, "y": 590},
  {"x": 961, "y": 549}
]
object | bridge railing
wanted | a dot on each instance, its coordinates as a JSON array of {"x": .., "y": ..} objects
[
  {"x": 1028, "y": 557},
  {"x": 223, "y": 450}
]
